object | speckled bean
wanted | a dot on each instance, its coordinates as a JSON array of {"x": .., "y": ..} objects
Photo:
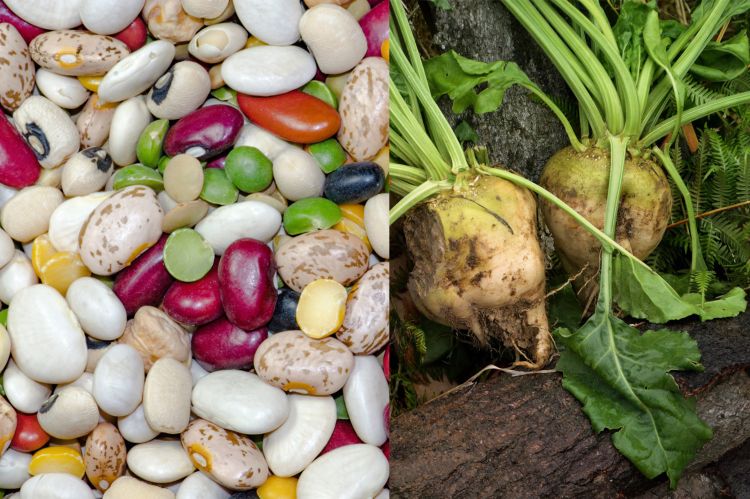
[
  {"x": 327, "y": 254},
  {"x": 231, "y": 459},
  {"x": 77, "y": 53},
  {"x": 304, "y": 365},
  {"x": 104, "y": 456}
]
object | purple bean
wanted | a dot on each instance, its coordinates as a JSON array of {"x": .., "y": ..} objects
[{"x": 204, "y": 133}]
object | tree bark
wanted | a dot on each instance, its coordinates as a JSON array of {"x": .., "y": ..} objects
[
  {"x": 524, "y": 133},
  {"x": 526, "y": 436}
]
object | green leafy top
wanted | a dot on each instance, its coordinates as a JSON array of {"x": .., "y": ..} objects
[
  {"x": 621, "y": 376},
  {"x": 622, "y": 75},
  {"x": 456, "y": 76}
]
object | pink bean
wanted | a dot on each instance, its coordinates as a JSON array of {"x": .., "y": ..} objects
[
  {"x": 343, "y": 434},
  {"x": 375, "y": 26}
]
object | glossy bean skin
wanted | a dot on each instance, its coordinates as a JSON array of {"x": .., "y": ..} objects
[
  {"x": 120, "y": 228},
  {"x": 195, "y": 303},
  {"x": 20, "y": 167},
  {"x": 104, "y": 456},
  {"x": 217, "y": 162},
  {"x": 134, "y": 36},
  {"x": 294, "y": 362},
  {"x": 204, "y": 133},
  {"x": 145, "y": 280},
  {"x": 294, "y": 116},
  {"x": 329, "y": 254},
  {"x": 375, "y": 26},
  {"x": 91, "y": 54},
  {"x": 28, "y": 31},
  {"x": 364, "y": 109},
  {"x": 354, "y": 183},
  {"x": 310, "y": 214},
  {"x": 246, "y": 273},
  {"x": 29, "y": 435},
  {"x": 222, "y": 345},
  {"x": 343, "y": 434},
  {"x": 285, "y": 312}
]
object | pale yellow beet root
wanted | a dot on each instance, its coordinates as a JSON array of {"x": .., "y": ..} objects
[{"x": 478, "y": 265}]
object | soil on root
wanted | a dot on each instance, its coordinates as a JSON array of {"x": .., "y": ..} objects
[{"x": 448, "y": 271}]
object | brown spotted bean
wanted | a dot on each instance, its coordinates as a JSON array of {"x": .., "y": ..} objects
[{"x": 294, "y": 362}]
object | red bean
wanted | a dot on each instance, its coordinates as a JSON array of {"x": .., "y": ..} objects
[
  {"x": 19, "y": 167},
  {"x": 222, "y": 345},
  {"x": 343, "y": 434},
  {"x": 375, "y": 26},
  {"x": 246, "y": 272},
  {"x": 204, "y": 133},
  {"x": 29, "y": 435},
  {"x": 134, "y": 36},
  {"x": 145, "y": 281},
  {"x": 195, "y": 303}
]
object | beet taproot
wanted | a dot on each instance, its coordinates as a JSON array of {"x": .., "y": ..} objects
[{"x": 478, "y": 265}]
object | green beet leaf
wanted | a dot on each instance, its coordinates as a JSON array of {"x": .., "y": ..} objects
[
  {"x": 644, "y": 294},
  {"x": 465, "y": 133},
  {"x": 724, "y": 61},
  {"x": 457, "y": 76},
  {"x": 731, "y": 304},
  {"x": 442, "y": 4},
  {"x": 628, "y": 31},
  {"x": 622, "y": 379},
  {"x": 656, "y": 49}
]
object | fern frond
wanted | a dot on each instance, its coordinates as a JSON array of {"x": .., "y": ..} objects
[
  {"x": 743, "y": 176},
  {"x": 698, "y": 94},
  {"x": 739, "y": 84},
  {"x": 733, "y": 238},
  {"x": 700, "y": 280},
  {"x": 710, "y": 242},
  {"x": 418, "y": 337}
]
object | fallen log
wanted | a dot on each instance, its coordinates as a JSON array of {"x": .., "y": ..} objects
[{"x": 525, "y": 436}]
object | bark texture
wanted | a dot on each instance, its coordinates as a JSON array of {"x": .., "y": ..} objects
[
  {"x": 484, "y": 30},
  {"x": 526, "y": 436}
]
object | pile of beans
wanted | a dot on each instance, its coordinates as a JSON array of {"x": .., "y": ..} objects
[{"x": 194, "y": 249}]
